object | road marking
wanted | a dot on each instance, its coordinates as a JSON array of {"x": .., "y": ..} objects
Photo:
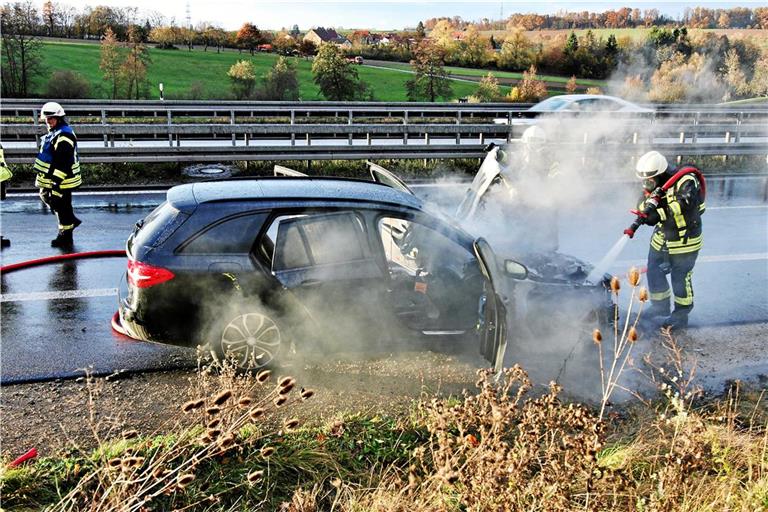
[
  {"x": 744, "y": 207},
  {"x": 756, "y": 256},
  {"x": 58, "y": 295}
]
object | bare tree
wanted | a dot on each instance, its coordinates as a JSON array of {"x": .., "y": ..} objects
[
  {"x": 50, "y": 16},
  {"x": 21, "y": 62},
  {"x": 67, "y": 15}
]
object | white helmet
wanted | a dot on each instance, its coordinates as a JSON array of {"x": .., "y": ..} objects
[
  {"x": 51, "y": 109},
  {"x": 650, "y": 164},
  {"x": 534, "y": 135}
]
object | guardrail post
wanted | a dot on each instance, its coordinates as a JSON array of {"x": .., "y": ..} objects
[
  {"x": 36, "y": 117},
  {"x": 426, "y": 140},
  {"x": 405, "y": 117},
  {"x": 349, "y": 117},
  {"x": 293, "y": 139},
  {"x": 170, "y": 135},
  {"x": 739, "y": 120},
  {"x": 232, "y": 122},
  {"x": 103, "y": 123},
  {"x": 695, "y": 136},
  {"x": 368, "y": 138},
  {"x": 482, "y": 138},
  {"x": 247, "y": 139},
  {"x": 293, "y": 117},
  {"x": 458, "y": 138},
  {"x": 634, "y": 138},
  {"x": 309, "y": 140},
  {"x": 682, "y": 138}
]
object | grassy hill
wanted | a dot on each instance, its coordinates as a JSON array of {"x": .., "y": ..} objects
[{"x": 180, "y": 71}]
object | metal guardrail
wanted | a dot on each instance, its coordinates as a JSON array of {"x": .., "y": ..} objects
[{"x": 215, "y": 131}]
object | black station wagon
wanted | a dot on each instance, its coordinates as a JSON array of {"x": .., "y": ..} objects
[{"x": 252, "y": 267}]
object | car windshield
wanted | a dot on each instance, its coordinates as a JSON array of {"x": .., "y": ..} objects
[{"x": 550, "y": 105}]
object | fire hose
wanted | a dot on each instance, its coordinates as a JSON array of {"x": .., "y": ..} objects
[
  {"x": 655, "y": 197},
  {"x": 60, "y": 258}
]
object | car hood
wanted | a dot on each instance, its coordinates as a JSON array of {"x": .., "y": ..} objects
[{"x": 555, "y": 267}]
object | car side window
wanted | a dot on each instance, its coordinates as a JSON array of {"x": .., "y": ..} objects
[
  {"x": 308, "y": 240},
  {"x": 230, "y": 236}
]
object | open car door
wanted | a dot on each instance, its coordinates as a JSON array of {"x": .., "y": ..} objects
[
  {"x": 493, "y": 334},
  {"x": 279, "y": 170},
  {"x": 388, "y": 178},
  {"x": 488, "y": 172}
]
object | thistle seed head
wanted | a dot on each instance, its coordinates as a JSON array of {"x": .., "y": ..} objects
[
  {"x": 284, "y": 390},
  {"x": 267, "y": 451},
  {"x": 214, "y": 423},
  {"x": 291, "y": 423},
  {"x": 597, "y": 336},
  {"x": 306, "y": 394},
  {"x": 263, "y": 376},
  {"x": 222, "y": 397},
  {"x": 213, "y": 433},
  {"x": 227, "y": 441},
  {"x": 255, "y": 476},
  {"x": 244, "y": 402},
  {"x": 615, "y": 285},
  {"x": 634, "y": 276},
  {"x": 285, "y": 381},
  {"x": 632, "y": 335},
  {"x": 130, "y": 434},
  {"x": 192, "y": 405},
  {"x": 184, "y": 480},
  {"x": 643, "y": 296},
  {"x": 114, "y": 463},
  {"x": 213, "y": 410},
  {"x": 256, "y": 413},
  {"x": 280, "y": 400}
]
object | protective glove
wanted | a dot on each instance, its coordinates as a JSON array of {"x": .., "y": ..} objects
[{"x": 629, "y": 232}]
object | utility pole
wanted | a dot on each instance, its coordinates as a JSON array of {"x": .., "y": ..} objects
[{"x": 189, "y": 16}]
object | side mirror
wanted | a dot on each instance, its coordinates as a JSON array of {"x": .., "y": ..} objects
[{"x": 515, "y": 270}]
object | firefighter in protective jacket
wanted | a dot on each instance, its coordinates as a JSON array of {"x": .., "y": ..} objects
[
  {"x": 58, "y": 171},
  {"x": 673, "y": 203}
]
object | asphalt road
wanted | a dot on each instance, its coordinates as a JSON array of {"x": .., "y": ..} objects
[{"x": 56, "y": 318}]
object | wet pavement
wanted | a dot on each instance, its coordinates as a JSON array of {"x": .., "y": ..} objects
[{"x": 56, "y": 318}]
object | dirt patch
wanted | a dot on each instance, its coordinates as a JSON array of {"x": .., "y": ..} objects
[{"x": 56, "y": 416}]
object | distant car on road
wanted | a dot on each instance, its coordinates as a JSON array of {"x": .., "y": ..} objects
[
  {"x": 355, "y": 60},
  {"x": 575, "y": 104}
]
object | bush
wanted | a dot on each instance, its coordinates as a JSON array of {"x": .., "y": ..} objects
[
  {"x": 243, "y": 78},
  {"x": 530, "y": 89},
  {"x": 68, "y": 84}
]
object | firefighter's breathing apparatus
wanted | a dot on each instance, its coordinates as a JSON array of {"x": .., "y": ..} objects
[{"x": 654, "y": 198}]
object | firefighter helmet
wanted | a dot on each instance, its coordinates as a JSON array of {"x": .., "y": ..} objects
[
  {"x": 650, "y": 165},
  {"x": 51, "y": 109}
]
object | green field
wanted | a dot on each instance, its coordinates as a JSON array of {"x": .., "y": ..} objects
[
  {"x": 178, "y": 70},
  {"x": 455, "y": 70}
]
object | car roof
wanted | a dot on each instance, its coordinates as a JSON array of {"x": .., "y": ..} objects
[{"x": 294, "y": 188}]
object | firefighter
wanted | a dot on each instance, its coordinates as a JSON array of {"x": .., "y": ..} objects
[
  {"x": 673, "y": 202},
  {"x": 58, "y": 171},
  {"x": 5, "y": 175}
]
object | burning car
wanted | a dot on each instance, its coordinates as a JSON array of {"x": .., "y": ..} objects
[{"x": 253, "y": 267}]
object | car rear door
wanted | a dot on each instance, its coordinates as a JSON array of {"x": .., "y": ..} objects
[
  {"x": 388, "y": 178},
  {"x": 493, "y": 334},
  {"x": 325, "y": 260}
]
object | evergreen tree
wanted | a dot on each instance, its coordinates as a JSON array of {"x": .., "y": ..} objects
[
  {"x": 420, "y": 32},
  {"x": 571, "y": 45}
]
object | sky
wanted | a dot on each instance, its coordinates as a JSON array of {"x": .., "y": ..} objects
[{"x": 380, "y": 15}]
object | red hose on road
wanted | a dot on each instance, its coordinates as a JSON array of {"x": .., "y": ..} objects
[{"x": 61, "y": 257}]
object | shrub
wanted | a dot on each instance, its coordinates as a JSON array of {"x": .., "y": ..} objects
[
  {"x": 68, "y": 84},
  {"x": 529, "y": 90},
  {"x": 488, "y": 89},
  {"x": 243, "y": 78}
]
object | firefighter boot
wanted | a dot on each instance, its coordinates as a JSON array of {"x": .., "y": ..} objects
[
  {"x": 658, "y": 308},
  {"x": 63, "y": 240},
  {"x": 677, "y": 320},
  {"x": 4, "y": 242}
]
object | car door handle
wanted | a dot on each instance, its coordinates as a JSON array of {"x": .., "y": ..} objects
[
  {"x": 311, "y": 282},
  {"x": 222, "y": 266}
]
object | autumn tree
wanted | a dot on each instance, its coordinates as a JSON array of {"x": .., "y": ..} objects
[
  {"x": 530, "y": 89},
  {"x": 165, "y": 37},
  {"x": 517, "y": 52},
  {"x": 281, "y": 82},
  {"x": 243, "y": 78},
  {"x": 213, "y": 36},
  {"x": 336, "y": 78},
  {"x": 570, "y": 85},
  {"x": 307, "y": 48},
  {"x": 473, "y": 48},
  {"x": 430, "y": 81},
  {"x": 488, "y": 90},
  {"x": 21, "y": 60},
  {"x": 133, "y": 71},
  {"x": 50, "y": 16},
  {"x": 249, "y": 37},
  {"x": 110, "y": 62}
]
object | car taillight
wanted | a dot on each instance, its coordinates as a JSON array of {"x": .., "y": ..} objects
[{"x": 143, "y": 275}]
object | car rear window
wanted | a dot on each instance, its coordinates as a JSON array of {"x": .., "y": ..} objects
[
  {"x": 158, "y": 226},
  {"x": 231, "y": 235}
]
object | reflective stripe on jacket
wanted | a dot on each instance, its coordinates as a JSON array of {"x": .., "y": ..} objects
[
  {"x": 5, "y": 172},
  {"x": 52, "y": 150},
  {"x": 679, "y": 213}
]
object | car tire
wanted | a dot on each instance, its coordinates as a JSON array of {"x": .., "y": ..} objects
[{"x": 251, "y": 338}]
